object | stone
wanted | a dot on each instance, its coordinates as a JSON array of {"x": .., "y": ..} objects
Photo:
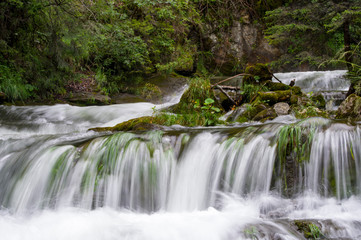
[
  {"x": 258, "y": 73},
  {"x": 267, "y": 114},
  {"x": 275, "y": 96},
  {"x": 350, "y": 107},
  {"x": 88, "y": 98},
  {"x": 276, "y": 86},
  {"x": 281, "y": 108}
]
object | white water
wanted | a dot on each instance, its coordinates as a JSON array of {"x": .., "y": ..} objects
[
  {"x": 317, "y": 81},
  {"x": 58, "y": 181}
]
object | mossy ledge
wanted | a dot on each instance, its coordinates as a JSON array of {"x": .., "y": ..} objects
[{"x": 137, "y": 124}]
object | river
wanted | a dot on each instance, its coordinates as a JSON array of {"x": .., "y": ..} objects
[{"x": 60, "y": 181}]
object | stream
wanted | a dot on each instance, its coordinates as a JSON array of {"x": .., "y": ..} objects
[{"x": 60, "y": 181}]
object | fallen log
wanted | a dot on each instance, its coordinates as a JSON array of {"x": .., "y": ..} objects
[
  {"x": 227, "y": 79},
  {"x": 229, "y": 88}
]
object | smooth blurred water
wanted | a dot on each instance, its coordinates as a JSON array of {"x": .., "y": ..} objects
[{"x": 60, "y": 181}]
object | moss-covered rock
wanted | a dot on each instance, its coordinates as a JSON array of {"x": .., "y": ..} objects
[
  {"x": 276, "y": 86},
  {"x": 275, "y": 96},
  {"x": 137, "y": 124},
  {"x": 247, "y": 111},
  {"x": 318, "y": 100},
  {"x": 350, "y": 108},
  {"x": 257, "y": 73},
  {"x": 296, "y": 90},
  {"x": 199, "y": 90},
  {"x": 267, "y": 114},
  {"x": 310, "y": 111}
]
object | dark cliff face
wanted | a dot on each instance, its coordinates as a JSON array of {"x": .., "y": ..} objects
[{"x": 234, "y": 47}]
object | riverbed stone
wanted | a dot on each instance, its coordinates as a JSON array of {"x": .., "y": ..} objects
[
  {"x": 350, "y": 108},
  {"x": 267, "y": 114},
  {"x": 281, "y": 108},
  {"x": 275, "y": 96}
]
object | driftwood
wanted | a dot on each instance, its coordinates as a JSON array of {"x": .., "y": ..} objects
[
  {"x": 227, "y": 79},
  {"x": 229, "y": 87},
  {"x": 226, "y": 94},
  {"x": 276, "y": 78}
]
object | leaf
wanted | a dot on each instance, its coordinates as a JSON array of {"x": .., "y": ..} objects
[
  {"x": 208, "y": 101},
  {"x": 216, "y": 109}
]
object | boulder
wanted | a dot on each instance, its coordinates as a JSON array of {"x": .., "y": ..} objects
[
  {"x": 258, "y": 73},
  {"x": 281, "y": 108},
  {"x": 88, "y": 98},
  {"x": 276, "y": 86},
  {"x": 350, "y": 108},
  {"x": 275, "y": 97},
  {"x": 267, "y": 114}
]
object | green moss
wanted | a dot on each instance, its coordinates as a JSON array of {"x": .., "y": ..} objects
[
  {"x": 276, "y": 86},
  {"x": 252, "y": 110},
  {"x": 199, "y": 90},
  {"x": 275, "y": 97},
  {"x": 259, "y": 73},
  {"x": 318, "y": 100},
  {"x": 296, "y": 90},
  {"x": 267, "y": 114},
  {"x": 310, "y": 111},
  {"x": 132, "y": 124},
  {"x": 309, "y": 229},
  {"x": 294, "y": 99}
]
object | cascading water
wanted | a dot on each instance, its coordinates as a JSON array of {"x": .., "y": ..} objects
[
  {"x": 261, "y": 181},
  {"x": 333, "y": 85}
]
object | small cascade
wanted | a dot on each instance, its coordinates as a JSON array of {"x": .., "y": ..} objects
[
  {"x": 317, "y": 81},
  {"x": 333, "y": 85}
]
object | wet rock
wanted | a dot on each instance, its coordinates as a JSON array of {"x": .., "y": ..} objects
[
  {"x": 275, "y": 97},
  {"x": 350, "y": 108},
  {"x": 267, "y": 114},
  {"x": 252, "y": 110},
  {"x": 258, "y": 73},
  {"x": 294, "y": 99},
  {"x": 296, "y": 90},
  {"x": 88, "y": 98},
  {"x": 276, "y": 86},
  {"x": 281, "y": 108},
  {"x": 137, "y": 124}
]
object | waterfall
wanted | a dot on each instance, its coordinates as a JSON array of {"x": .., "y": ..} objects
[{"x": 254, "y": 181}]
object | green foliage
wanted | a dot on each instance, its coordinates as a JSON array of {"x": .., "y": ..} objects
[
  {"x": 198, "y": 91},
  {"x": 13, "y": 84},
  {"x": 250, "y": 91},
  {"x": 251, "y": 233},
  {"x": 295, "y": 140},
  {"x": 312, "y": 32}
]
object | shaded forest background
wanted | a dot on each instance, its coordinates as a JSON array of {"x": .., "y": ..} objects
[{"x": 45, "y": 45}]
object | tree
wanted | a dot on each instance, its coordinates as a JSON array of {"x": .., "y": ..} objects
[{"x": 314, "y": 31}]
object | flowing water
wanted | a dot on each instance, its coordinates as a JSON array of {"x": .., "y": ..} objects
[
  {"x": 333, "y": 85},
  {"x": 60, "y": 181}
]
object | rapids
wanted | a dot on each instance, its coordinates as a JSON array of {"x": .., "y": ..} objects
[{"x": 60, "y": 181}]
